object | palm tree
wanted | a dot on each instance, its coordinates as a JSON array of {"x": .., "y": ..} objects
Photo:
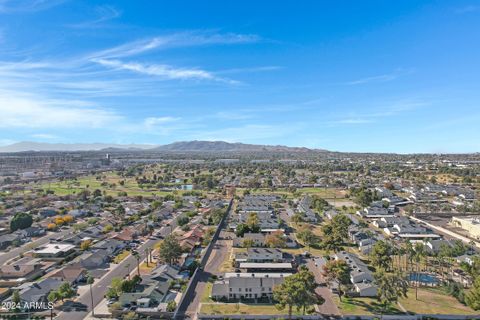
[
  {"x": 137, "y": 257},
  {"x": 419, "y": 256},
  {"x": 127, "y": 266},
  {"x": 90, "y": 281},
  {"x": 401, "y": 252},
  {"x": 53, "y": 297},
  {"x": 146, "y": 254},
  {"x": 410, "y": 252},
  {"x": 391, "y": 287}
]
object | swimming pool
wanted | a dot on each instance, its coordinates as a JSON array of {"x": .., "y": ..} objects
[{"x": 423, "y": 277}]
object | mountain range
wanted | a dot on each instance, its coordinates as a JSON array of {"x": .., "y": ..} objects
[{"x": 183, "y": 146}]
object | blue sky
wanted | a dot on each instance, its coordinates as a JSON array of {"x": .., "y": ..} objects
[{"x": 380, "y": 76}]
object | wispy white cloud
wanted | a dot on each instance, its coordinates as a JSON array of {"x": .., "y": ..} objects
[
  {"x": 161, "y": 70},
  {"x": 381, "y": 78},
  {"x": 183, "y": 39},
  {"x": 389, "y": 109},
  {"x": 13, "y": 6},
  {"x": 44, "y": 136},
  {"x": 155, "y": 121},
  {"x": 103, "y": 14},
  {"x": 163, "y": 126},
  {"x": 30, "y": 111}
]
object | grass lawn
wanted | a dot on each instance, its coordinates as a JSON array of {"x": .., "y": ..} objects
[
  {"x": 147, "y": 270},
  {"x": 362, "y": 306},
  {"x": 434, "y": 301},
  {"x": 121, "y": 256},
  {"x": 130, "y": 186},
  {"x": 226, "y": 265},
  {"x": 206, "y": 293},
  {"x": 329, "y": 193},
  {"x": 242, "y": 308}
]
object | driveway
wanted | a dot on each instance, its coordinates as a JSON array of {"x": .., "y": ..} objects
[
  {"x": 212, "y": 267},
  {"x": 328, "y": 307}
]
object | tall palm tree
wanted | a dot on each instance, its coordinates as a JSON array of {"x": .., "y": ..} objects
[
  {"x": 90, "y": 281},
  {"x": 127, "y": 266},
  {"x": 146, "y": 254},
  {"x": 419, "y": 256},
  {"x": 410, "y": 255},
  {"x": 137, "y": 257}
]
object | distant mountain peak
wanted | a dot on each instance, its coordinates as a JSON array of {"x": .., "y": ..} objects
[
  {"x": 223, "y": 146},
  {"x": 180, "y": 146},
  {"x": 45, "y": 146}
]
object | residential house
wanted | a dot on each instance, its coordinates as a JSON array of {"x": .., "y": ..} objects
[
  {"x": 22, "y": 270},
  {"x": 53, "y": 250},
  {"x": 97, "y": 259},
  {"x": 373, "y": 212},
  {"x": 258, "y": 240},
  {"x": 72, "y": 274},
  {"x": 260, "y": 255},
  {"x": 9, "y": 239},
  {"x": 360, "y": 276},
  {"x": 36, "y": 292},
  {"x": 154, "y": 289},
  {"x": 247, "y": 285}
]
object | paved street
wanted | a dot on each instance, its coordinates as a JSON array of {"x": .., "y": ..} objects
[
  {"x": 329, "y": 307},
  {"x": 212, "y": 267},
  {"x": 5, "y": 256}
]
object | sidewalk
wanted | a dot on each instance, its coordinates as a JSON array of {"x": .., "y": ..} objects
[{"x": 101, "y": 311}]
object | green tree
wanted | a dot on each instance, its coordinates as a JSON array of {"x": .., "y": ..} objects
[
  {"x": 171, "y": 306},
  {"x": 21, "y": 221},
  {"x": 53, "y": 297},
  {"x": 252, "y": 221},
  {"x": 115, "y": 288},
  {"x": 275, "y": 240},
  {"x": 420, "y": 254},
  {"x": 297, "y": 218},
  {"x": 16, "y": 299},
  {"x": 170, "y": 249},
  {"x": 297, "y": 290},
  {"x": 181, "y": 221},
  {"x": 66, "y": 291},
  {"x": 307, "y": 237},
  {"x": 472, "y": 298},
  {"x": 391, "y": 287},
  {"x": 337, "y": 271},
  {"x": 248, "y": 243},
  {"x": 241, "y": 230},
  {"x": 336, "y": 232},
  {"x": 97, "y": 193},
  {"x": 381, "y": 255}
]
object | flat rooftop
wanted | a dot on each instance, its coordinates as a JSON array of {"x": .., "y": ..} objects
[
  {"x": 54, "y": 248},
  {"x": 266, "y": 265},
  {"x": 256, "y": 275}
]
